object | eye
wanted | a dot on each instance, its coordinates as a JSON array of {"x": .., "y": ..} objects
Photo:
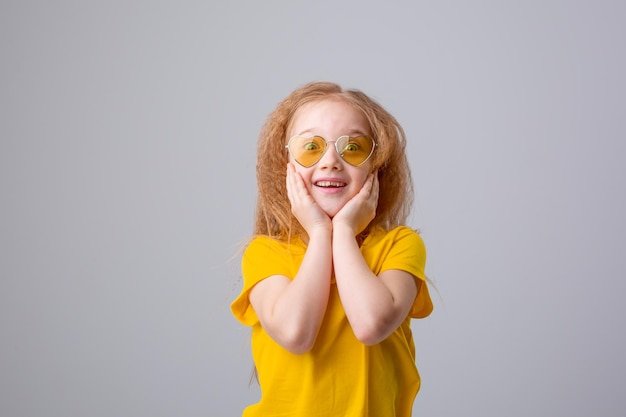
[
  {"x": 311, "y": 146},
  {"x": 352, "y": 147}
]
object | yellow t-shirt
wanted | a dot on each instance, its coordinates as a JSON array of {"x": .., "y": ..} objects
[{"x": 339, "y": 376}]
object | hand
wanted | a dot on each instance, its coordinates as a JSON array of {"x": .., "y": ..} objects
[
  {"x": 303, "y": 206},
  {"x": 361, "y": 209}
]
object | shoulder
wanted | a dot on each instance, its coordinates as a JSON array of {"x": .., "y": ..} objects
[
  {"x": 399, "y": 248},
  {"x": 262, "y": 244},
  {"x": 266, "y": 255},
  {"x": 402, "y": 235}
]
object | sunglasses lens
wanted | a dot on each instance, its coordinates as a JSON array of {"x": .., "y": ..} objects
[
  {"x": 307, "y": 151},
  {"x": 355, "y": 150}
]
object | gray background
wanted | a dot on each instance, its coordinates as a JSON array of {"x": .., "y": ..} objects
[{"x": 127, "y": 182}]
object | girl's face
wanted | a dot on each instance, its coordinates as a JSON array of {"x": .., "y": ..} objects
[{"x": 332, "y": 182}]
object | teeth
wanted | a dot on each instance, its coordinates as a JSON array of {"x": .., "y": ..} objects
[{"x": 329, "y": 184}]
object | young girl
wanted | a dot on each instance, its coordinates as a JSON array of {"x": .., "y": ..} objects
[{"x": 332, "y": 276}]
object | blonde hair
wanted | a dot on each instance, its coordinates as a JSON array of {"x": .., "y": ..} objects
[{"x": 273, "y": 215}]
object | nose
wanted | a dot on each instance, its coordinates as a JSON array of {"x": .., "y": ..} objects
[{"x": 331, "y": 158}]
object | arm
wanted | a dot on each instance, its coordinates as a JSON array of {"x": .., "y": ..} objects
[
  {"x": 375, "y": 305},
  {"x": 291, "y": 311}
]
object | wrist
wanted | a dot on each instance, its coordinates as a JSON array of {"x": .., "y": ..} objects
[
  {"x": 343, "y": 229},
  {"x": 320, "y": 233}
]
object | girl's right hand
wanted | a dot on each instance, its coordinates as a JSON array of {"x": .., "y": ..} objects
[{"x": 303, "y": 206}]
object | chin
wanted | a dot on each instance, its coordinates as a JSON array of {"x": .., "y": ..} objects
[{"x": 331, "y": 211}]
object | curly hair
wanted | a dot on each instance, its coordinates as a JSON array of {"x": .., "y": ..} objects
[{"x": 273, "y": 216}]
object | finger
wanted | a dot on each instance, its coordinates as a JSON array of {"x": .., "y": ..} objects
[
  {"x": 298, "y": 184},
  {"x": 288, "y": 178},
  {"x": 298, "y": 193},
  {"x": 368, "y": 186},
  {"x": 375, "y": 185},
  {"x": 290, "y": 183}
]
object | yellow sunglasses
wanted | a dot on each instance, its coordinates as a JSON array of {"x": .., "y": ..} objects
[{"x": 307, "y": 151}]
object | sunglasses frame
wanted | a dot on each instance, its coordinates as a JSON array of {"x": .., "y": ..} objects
[{"x": 326, "y": 142}]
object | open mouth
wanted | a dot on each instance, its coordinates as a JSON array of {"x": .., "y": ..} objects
[{"x": 330, "y": 184}]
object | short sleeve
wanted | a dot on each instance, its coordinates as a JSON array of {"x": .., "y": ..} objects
[
  {"x": 408, "y": 253},
  {"x": 264, "y": 257}
]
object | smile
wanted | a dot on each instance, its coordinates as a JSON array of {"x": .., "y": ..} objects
[{"x": 330, "y": 184}]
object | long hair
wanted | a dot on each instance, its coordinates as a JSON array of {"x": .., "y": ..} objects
[{"x": 273, "y": 215}]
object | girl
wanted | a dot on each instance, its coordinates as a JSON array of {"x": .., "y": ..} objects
[{"x": 333, "y": 277}]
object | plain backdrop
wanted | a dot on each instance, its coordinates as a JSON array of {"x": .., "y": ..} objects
[{"x": 127, "y": 182}]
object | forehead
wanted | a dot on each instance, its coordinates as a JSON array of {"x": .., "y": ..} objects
[{"x": 329, "y": 117}]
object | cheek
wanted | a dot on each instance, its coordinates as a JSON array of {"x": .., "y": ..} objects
[
  {"x": 361, "y": 178},
  {"x": 304, "y": 173}
]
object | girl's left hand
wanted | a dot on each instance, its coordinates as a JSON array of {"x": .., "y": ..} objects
[{"x": 361, "y": 209}]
